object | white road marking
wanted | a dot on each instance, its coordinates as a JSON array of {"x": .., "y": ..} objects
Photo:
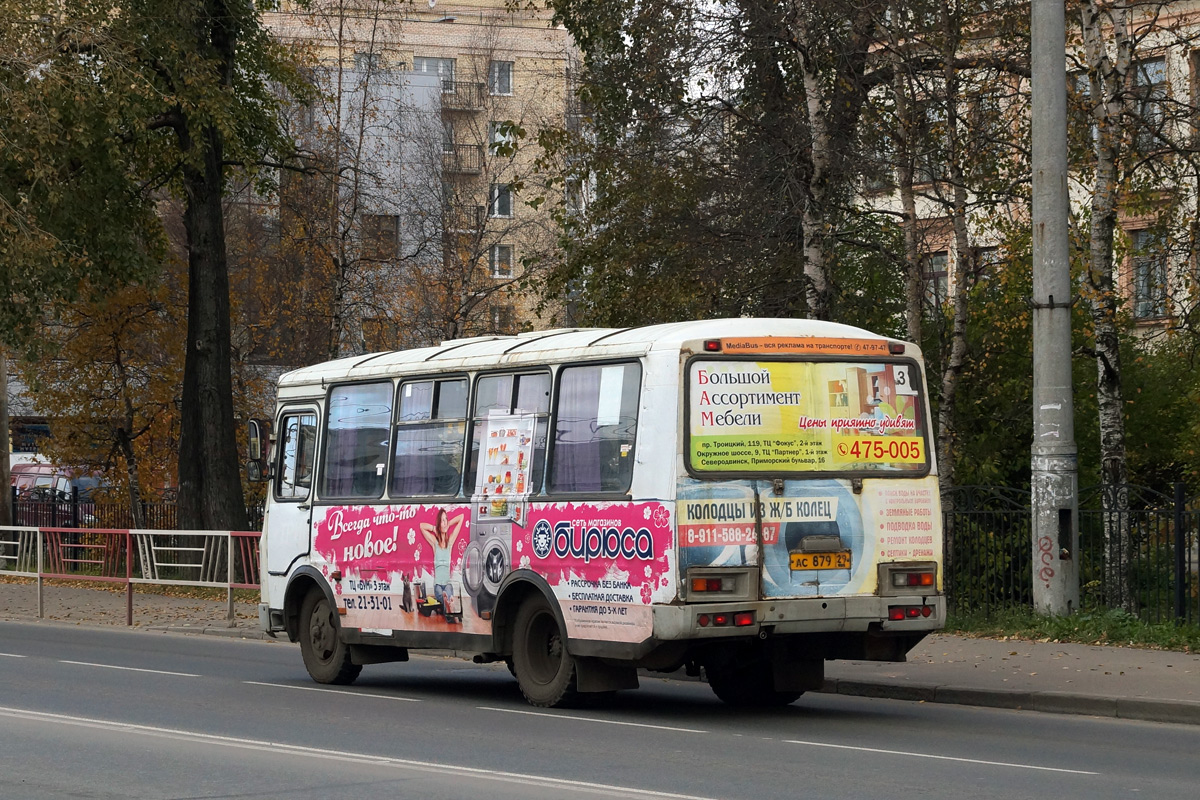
[
  {"x": 333, "y": 691},
  {"x": 12, "y": 655},
  {"x": 611, "y": 790},
  {"x": 130, "y": 669},
  {"x": 940, "y": 758},
  {"x": 590, "y": 719}
]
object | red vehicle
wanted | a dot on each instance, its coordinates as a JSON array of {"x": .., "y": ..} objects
[{"x": 52, "y": 497}]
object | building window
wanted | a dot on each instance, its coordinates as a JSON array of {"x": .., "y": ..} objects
[
  {"x": 380, "y": 236},
  {"x": 500, "y": 75},
  {"x": 448, "y": 135},
  {"x": 1150, "y": 86},
  {"x": 987, "y": 262},
  {"x": 368, "y": 63},
  {"x": 573, "y": 194},
  {"x": 1194, "y": 89},
  {"x": 935, "y": 273},
  {"x": 1149, "y": 276},
  {"x": 501, "y": 201},
  {"x": 501, "y": 260},
  {"x": 442, "y": 67},
  {"x": 929, "y": 161},
  {"x": 501, "y": 136},
  {"x": 502, "y": 318},
  {"x": 878, "y": 160},
  {"x": 379, "y": 333}
]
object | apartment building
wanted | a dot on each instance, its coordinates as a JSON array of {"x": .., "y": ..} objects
[
  {"x": 1150, "y": 90},
  {"x": 444, "y": 210}
]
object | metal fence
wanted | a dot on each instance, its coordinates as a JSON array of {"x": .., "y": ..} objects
[
  {"x": 215, "y": 559},
  {"x": 72, "y": 511},
  {"x": 1138, "y": 550}
]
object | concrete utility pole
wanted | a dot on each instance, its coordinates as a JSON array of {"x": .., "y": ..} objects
[{"x": 1055, "y": 458}]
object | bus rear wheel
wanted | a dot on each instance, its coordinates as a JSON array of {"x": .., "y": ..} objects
[
  {"x": 545, "y": 670},
  {"x": 326, "y": 656},
  {"x": 748, "y": 686}
]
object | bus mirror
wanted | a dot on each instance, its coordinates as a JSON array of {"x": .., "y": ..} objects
[
  {"x": 255, "y": 441},
  {"x": 258, "y": 467}
]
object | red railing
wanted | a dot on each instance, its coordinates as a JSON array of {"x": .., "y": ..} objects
[{"x": 219, "y": 559}]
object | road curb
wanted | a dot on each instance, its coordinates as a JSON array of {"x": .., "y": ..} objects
[
  {"x": 229, "y": 633},
  {"x": 1185, "y": 712}
]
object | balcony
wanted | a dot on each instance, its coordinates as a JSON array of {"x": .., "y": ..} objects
[
  {"x": 464, "y": 219},
  {"x": 462, "y": 96},
  {"x": 462, "y": 159}
]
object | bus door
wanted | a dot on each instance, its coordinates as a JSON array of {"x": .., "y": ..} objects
[
  {"x": 798, "y": 466},
  {"x": 289, "y": 516}
]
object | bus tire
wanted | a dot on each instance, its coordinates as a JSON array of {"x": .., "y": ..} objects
[
  {"x": 326, "y": 656},
  {"x": 750, "y": 686},
  {"x": 545, "y": 670}
]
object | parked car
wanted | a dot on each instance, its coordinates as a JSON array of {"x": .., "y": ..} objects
[{"x": 52, "y": 496}]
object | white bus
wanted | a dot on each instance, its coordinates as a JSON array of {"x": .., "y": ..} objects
[{"x": 741, "y": 498}]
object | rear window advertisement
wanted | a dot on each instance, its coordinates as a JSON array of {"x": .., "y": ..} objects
[{"x": 796, "y": 416}]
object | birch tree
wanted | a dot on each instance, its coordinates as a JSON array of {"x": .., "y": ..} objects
[{"x": 1134, "y": 140}]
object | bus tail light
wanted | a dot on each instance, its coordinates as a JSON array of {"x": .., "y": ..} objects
[
  {"x": 908, "y": 577},
  {"x": 913, "y": 579},
  {"x": 722, "y": 619},
  {"x": 713, "y": 584},
  {"x": 900, "y": 613},
  {"x": 712, "y": 345}
]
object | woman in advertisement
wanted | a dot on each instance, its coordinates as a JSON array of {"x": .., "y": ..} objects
[{"x": 441, "y": 539}]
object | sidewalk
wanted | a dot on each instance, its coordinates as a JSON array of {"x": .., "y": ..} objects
[{"x": 1153, "y": 685}]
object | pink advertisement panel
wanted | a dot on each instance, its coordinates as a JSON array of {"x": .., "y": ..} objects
[
  {"x": 439, "y": 568},
  {"x": 607, "y": 562}
]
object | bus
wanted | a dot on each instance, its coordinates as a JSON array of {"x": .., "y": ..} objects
[{"x": 742, "y": 499}]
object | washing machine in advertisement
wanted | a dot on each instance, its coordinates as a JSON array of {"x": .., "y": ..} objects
[
  {"x": 506, "y": 453},
  {"x": 487, "y": 560}
]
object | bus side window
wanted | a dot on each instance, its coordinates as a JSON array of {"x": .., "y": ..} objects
[
  {"x": 522, "y": 393},
  {"x": 595, "y": 428},
  {"x": 430, "y": 428},
  {"x": 357, "y": 431},
  {"x": 298, "y": 437}
]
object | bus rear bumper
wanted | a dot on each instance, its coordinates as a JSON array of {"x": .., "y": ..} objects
[
  {"x": 920, "y": 614},
  {"x": 855, "y": 628}
]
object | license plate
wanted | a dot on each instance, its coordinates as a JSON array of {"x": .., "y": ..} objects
[{"x": 838, "y": 560}]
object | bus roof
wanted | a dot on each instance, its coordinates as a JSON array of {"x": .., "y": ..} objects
[{"x": 563, "y": 344}]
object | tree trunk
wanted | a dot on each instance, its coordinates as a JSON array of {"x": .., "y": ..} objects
[
  {"x": 210, "y": 489},
  {"x": 954, "y": 359},
  {"x": 125, "y": 443},
  {"x": 813, "y": 222},
  {"x": 914, "y": 289},
  {"x": 1108, "y": 77}
]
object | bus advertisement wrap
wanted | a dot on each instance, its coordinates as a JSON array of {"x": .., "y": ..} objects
[
  {"x": 819, "y": 538},
  {"x": 795, "y": 416},
  {"x": 428, "y": 568}
]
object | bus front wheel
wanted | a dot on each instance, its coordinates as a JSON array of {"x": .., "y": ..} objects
[
  {"x": 545, "y": 670},
  {"x": 326, "y": 656}
]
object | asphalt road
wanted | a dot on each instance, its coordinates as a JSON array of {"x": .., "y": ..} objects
[{"x": 108, "y": 713}]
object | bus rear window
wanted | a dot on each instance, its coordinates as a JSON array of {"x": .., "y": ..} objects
[{"x": 775, "y": 417}]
